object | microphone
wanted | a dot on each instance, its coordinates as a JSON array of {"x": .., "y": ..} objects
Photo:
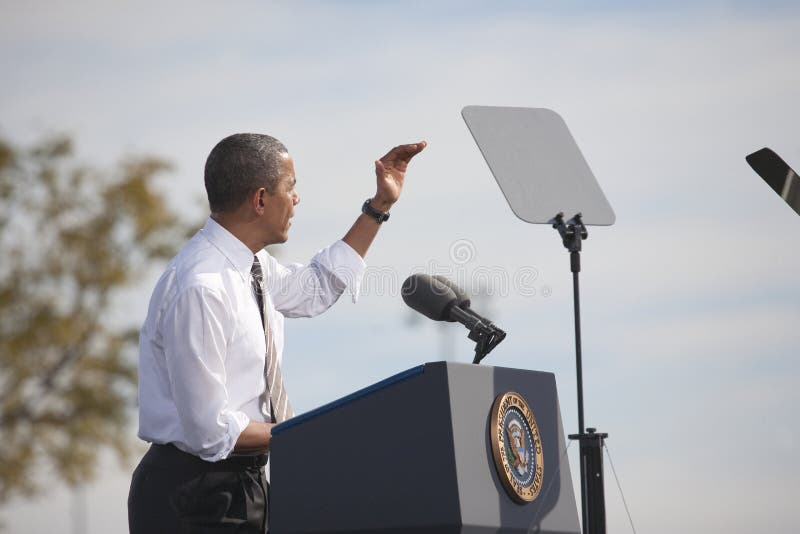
[
  {"x": 428, "y": 296},
  {"x": 439, "y": 299},
  {"x": 463, "y": 299}
]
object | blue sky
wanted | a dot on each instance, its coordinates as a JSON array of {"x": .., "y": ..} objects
[{"x": 690, "y": 301}]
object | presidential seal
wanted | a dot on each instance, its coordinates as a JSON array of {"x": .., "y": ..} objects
[{"x": 517, "y": 447}]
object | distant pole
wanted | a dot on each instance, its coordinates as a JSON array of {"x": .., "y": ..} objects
[
  {"x": 447, "y": 340},
  {"x": 79, "y": 510}
]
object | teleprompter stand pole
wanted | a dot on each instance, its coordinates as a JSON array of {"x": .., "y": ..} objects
[{"x": 572, "y": 233}]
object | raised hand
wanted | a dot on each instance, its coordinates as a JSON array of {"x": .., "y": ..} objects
[{"x": 390, "y": 171}]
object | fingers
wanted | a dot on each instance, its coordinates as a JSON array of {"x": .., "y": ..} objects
[
  {"x": 415, "y": 149},
  {"x": 405, "y": 152}
]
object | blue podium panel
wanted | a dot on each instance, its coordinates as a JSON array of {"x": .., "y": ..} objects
[{"x": 414, "y": 453}]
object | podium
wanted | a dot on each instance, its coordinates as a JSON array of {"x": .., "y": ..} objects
[{"x": 418, "y": 453}]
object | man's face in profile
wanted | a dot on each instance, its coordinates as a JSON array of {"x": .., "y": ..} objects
[{"x": 279, "y": 205}]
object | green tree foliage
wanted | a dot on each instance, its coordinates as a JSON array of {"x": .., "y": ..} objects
[{"x": 70, "y": 239}]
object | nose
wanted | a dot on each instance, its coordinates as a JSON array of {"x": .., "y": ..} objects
[{"x": 295, "y": 199}]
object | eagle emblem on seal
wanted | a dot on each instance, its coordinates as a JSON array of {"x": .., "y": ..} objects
[
  {"x": 517, "y": 438},
  {"x": 517, "y": 447}
]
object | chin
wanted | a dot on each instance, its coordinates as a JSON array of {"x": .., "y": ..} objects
[{"x": 277, "y": 239}]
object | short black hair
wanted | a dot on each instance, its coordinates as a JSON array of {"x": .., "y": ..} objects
[{"x": 240, "y": 164}]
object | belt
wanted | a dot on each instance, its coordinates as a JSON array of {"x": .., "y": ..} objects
[{"x": 170, "y": 453}]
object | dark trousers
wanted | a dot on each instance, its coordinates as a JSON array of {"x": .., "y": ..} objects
[{"x": 173, "y": 492}]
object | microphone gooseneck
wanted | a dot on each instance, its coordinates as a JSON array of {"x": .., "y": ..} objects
[{"x": 440, "y": 299}]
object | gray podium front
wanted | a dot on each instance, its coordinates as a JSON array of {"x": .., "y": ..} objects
[{"x": 413, "y": 453}]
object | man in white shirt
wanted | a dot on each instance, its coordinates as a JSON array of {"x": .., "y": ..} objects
[{"x": 210, "y": 387}]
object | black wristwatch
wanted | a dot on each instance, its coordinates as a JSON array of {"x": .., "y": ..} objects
[{"x": 379, "y": 216}]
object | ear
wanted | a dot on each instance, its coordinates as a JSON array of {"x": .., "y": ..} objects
[{"x": 258, "y": 200}]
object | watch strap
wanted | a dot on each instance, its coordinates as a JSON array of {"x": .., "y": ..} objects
[{"x": 379, "y": 216}]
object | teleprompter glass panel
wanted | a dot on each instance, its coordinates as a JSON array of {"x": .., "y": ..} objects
[
  {"x": 537, "y": 164},
  {"x": 778, "y": 175}
]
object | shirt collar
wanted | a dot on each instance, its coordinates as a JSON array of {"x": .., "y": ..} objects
[{"x": 240, "y": 256}]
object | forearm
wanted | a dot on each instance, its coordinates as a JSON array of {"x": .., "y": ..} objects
[
  {"x": 255, "y": 438},
  {"x": 364, "y": 230}
]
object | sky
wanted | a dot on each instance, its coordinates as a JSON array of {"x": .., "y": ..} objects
[{"x": 690, "y": 302}]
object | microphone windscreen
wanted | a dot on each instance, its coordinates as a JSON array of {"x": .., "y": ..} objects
[
  {"x": 463, "y": 300},
  {"x": 428, "y": 296}
]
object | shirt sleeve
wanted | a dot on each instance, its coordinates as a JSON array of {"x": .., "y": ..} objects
[
  {"x": 196, "y": 328},
  {"x": 307, "y": 290}
]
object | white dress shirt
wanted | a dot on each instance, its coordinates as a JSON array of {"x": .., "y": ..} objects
[{"x": 202, "y": 346}]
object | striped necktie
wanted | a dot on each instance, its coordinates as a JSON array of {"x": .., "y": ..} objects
[{"x": 275, "y": 392}]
